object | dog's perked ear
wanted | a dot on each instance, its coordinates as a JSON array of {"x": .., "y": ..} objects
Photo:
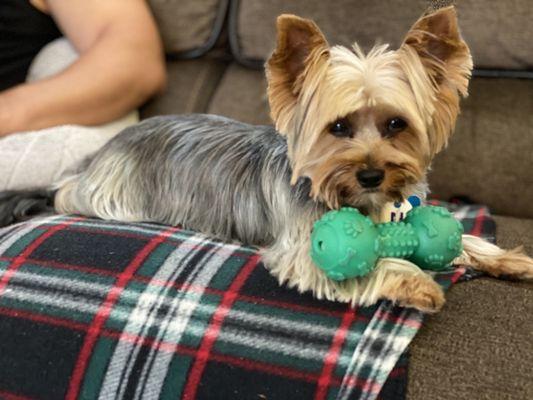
[
  {"x": 435, "y": 40},
  {"x": 300, "y": 46}
]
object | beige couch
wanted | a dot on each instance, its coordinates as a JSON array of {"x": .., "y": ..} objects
[{"x": 481, "y": 345}]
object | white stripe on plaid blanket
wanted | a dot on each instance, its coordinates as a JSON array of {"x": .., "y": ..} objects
[
  {"x": 64, "y": 302},
  {"x": 145, "y": 229},
  {"x": 178, "y": 235},
  {"x": 25, "y": 228},
  {"x": 381, "y": 364},
  {"x": 62, "y": 283},
  {"x": 8, "y": 231}
]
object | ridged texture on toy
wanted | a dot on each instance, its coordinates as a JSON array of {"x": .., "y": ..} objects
[
  {"x": 398, "y": 239},
  {"x": 439, "y": 236},
  {"x": 344, "y": 244}
]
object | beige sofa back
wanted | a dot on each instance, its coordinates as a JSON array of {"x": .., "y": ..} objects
[
  {"x": 189, "y": 28},
  {"x": 498, "y": 32}
]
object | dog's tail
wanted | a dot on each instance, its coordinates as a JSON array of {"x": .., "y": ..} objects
[
  {"x": 17, "y": 206},
  {"x": 489, "y": 258}
]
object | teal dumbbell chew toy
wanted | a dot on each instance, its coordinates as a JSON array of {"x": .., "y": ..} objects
[{"x": 346, "y": 244}]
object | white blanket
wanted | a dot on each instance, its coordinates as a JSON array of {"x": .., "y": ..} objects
[{"x": 41, "y": 158}]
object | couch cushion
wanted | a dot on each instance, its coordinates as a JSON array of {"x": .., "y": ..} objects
[
  {"x": 489, "y": 157},
  {"x": 191, "y": 84},
  {"x": 514, "y": 232},
  {"x": 189, "y": 28},
  {"x": 241, "y": 95},
  {"x": 478, "y": 346},
  {"x": 497, "y": 31},
  {"x": 252, "y": 22}
]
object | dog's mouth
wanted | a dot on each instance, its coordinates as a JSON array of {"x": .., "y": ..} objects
[
  {"x": 358, "y": 195},
  {"x": 371, "y": 190},
  {"x": 363, "y": 199}
]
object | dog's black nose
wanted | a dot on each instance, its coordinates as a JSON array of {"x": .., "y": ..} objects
[{"x": 370, "y": 178}]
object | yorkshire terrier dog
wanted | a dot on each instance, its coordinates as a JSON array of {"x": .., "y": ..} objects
[{"x": 350, "y": 129}]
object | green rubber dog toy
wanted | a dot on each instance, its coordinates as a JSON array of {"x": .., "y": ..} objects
[{"x": 346, "y": 244}]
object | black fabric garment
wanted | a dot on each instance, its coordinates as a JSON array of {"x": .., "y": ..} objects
[{"x": 24, "y": 30}]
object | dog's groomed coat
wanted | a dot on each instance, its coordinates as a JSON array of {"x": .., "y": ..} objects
[{"x": 351, "y": 129}]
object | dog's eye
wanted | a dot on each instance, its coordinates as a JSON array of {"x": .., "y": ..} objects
[
  {"x": 395, "y": 125},
  {"x": 341, "y": 128}
]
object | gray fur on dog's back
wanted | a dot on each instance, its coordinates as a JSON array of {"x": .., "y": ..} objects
[{"x": 205, "y": 172}]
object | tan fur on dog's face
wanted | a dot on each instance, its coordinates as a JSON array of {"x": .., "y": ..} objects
[{"x": 313, "y": 87}]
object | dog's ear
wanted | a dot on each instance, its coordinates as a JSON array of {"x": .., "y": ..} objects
[
  {"x": 436, "y": 40},
  {"x": 300, "y": 44}
]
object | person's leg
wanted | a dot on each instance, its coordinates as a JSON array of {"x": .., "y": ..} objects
[{"x": 40, "y": 158}]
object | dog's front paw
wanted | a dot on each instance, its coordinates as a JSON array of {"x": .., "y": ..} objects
[
  {"x": 417, "y": 291},
  {"x": 429, "y": 299}
]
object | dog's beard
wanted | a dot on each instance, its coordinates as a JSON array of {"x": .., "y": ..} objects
[
  {"x": 337, "y": 186},
  {"x": 372, "y": 200}
]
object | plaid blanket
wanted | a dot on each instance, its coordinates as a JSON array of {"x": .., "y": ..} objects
[{"x": 91, "y": 309}]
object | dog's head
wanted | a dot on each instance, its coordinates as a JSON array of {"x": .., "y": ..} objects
[{"x": 365, "y": 127}]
